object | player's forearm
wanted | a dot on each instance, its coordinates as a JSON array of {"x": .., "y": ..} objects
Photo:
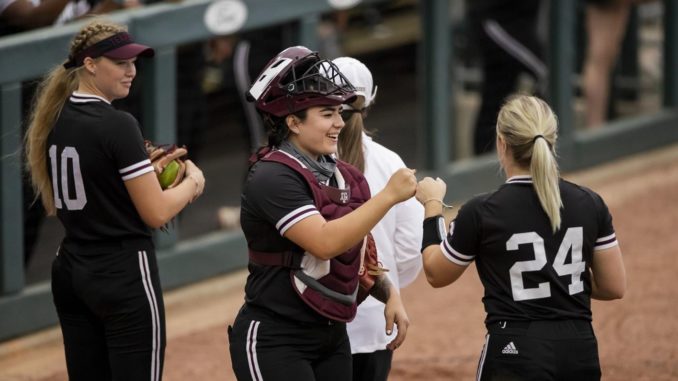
[
  {"x": 159, "y": 208},
  {"x": 382, "y": 289},
  {"x": 433, "y": 208},
  {"x": 343, "y": 233},
  {"x": 178, "y": 197}
]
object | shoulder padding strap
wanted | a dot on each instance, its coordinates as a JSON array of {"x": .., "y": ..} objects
[{"x": 289, "y": 259}]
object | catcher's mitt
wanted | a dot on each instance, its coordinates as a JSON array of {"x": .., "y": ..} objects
[
  {"x": 167, "y": 163},
  {"x": 370, "y": 268}
]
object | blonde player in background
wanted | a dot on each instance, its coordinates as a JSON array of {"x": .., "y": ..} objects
[{"x": 543, "y": 247}]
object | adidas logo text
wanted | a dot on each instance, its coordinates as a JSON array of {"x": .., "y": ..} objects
[{"x": 510, "y": 349}]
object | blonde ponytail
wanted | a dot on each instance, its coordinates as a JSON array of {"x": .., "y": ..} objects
[
  {"x": 545, "y": 177},
  {"x": 530, "y": 128},
  {"x": 50, "y": 98}
]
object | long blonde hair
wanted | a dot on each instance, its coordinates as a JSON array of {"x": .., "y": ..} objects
[
  {"x": 49, "y": 99},
  {"x": 350, "y": 147},
  {"x": 530, "y": 128}
]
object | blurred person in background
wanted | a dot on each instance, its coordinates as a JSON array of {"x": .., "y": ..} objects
[
  {"x": 21, "y": 15},
  {"x": 91, "y": 169},
  {"x": 505, "y": 32},
  {"x": 606, "y": 22},
  {"x": 397, "y": 235},
  {"x": 231, "y": 61},
  {"x": 76, "y": 9},
  {"x": 306, "y": 218},
  {"x": 543, "y": 248}
]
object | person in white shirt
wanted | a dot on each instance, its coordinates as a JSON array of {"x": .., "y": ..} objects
[{"x": 398, "y": 235}]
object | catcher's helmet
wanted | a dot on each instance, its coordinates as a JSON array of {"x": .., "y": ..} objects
[{"x": 297, "y": 79}]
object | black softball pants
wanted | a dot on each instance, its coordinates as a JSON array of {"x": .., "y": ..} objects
[
  {"x": 270, "y": 348},
  {"x": 373, "y": 366},
  {"x": 540, "y": 350},
  {"x": 111, "y": 311}
]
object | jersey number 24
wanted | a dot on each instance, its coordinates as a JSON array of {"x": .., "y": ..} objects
[
  {"x": 572, "y": 242},
  {"x": 68, "y": 155}
]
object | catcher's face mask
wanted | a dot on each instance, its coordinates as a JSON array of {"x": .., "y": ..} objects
[
  {"x": 119, "y": 46},
  {"x": 298, "y": 79}
]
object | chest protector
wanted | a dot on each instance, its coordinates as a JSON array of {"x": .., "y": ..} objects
[{"x": 329, "y": 287}]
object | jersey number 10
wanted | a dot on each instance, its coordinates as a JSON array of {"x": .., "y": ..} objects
[
  {"x": 68, "y": 155},
  {"x": 572, "y": 242}
]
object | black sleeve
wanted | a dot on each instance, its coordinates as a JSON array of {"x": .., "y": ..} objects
[
  {"x": 126, "y": 147},
  {"x": 278, "y": 195},
  {"x": 461, "y": 244},
  {"x": 606, "y": 235}
]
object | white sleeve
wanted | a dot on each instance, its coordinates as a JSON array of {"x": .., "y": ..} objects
[
  {"x": 407, "y": 245},
  {"x": 408, "y": 216}
]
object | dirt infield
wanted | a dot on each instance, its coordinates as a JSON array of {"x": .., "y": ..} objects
[{"x": 638, "y": 336}]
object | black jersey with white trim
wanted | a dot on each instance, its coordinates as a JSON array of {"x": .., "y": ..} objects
[
  {"x": 274, "y": 198},
  {"x": 528, "y": 272},
  {"x": 91, "y": 151}
]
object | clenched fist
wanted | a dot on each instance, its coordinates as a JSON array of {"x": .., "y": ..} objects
[
  {"x": 430, "y": 189},
  {"x": 402, "y": 184}
]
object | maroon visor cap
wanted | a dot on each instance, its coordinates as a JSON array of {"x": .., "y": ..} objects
[{"x": 119, "y": 46}]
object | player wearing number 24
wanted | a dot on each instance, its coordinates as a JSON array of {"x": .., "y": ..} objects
[
  {"x": 89, "y": 165},
  {"x": 543, "y": 248}
]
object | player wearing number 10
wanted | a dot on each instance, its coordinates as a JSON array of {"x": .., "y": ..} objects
[
  {"x": 543, "y": 248},
  {"x": 90, "y": 167}
]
